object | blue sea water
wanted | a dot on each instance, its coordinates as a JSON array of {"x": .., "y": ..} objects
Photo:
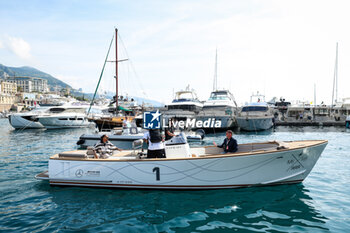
[{"x": 320, "y": 204}]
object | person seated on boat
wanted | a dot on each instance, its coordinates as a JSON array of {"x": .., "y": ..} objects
[
  {"x": 230, "y": 144},
  {"x": 155, "y": 143},
  {"x": 104, "y": 148}
]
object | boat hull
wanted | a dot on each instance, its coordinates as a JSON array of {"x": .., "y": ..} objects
[
  {"x": 64, "y": 122},
  {"x": 212, "y": 172},
  {"x": 254, "y": 124},
  {"x": 18, "y": 122}
]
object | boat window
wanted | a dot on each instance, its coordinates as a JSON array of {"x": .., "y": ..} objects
[
  {"x": 254, "y": 108},
  {"x": 72, "y": 119},
  {"x": 57, "y": 110},
  {"x": 184, "y": 107},
  {"x": 218, "y": 96},
  {"x": 80, "y": 119},
  {"x": 63, "y": 119},
  {"x": 185, "y": 96},
  {"x": 30, "y": 118}
]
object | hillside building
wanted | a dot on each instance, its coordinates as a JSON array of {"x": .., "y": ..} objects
[
  {"x": 8, "y": 92},
  {"x": 29, "y": 84}
]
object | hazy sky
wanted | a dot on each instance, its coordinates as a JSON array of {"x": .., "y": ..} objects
[{"x": 280, "y": 48}]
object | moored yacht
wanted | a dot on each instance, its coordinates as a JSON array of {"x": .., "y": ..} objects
[
  {"x": 185, "y": 100},
  {"x": 220, "y": 100},
  {"x": 255, "y": 116},
  {"x": 65, "y": 117},
  {"x": 220, "y": 106},
  {"x": 27, "y": 120}
]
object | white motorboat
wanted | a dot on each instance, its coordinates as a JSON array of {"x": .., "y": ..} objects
[
  {"x": 123, "y": 138},
  {"x": 254, "y": 164},
  {"x": 255, "y": 116}
]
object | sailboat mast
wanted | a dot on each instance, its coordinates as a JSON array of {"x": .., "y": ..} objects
[
  {"x": 116, "y": 70},
  {"x": 335, "y": 78},
  {"x": 336, "y": 74},
  {"x": 215, "y": 83}
]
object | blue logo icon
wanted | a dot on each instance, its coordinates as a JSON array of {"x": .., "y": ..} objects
[{"x": 151, "y": 120}]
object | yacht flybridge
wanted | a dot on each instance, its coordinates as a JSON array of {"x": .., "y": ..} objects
[
  {"x": 220, "y": 99},
  {"x": 185, "y": 100},
  {"x": 254, "y": 164}
]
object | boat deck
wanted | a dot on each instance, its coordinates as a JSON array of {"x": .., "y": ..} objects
[{"x": 198, "y": 152}]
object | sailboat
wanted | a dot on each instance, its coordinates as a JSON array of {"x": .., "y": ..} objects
[{"x": 121, "y": 113}]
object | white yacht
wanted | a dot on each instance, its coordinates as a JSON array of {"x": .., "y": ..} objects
[
  {"x": 220, "y": 100},
  {"x": 27, "y": 120},
  {"x": 185, "y": 100},
  {"x": 65, "y": 117},
  {"x": 255, "y": 116},
  {"x": 221, "y": 106},
  {"x": 51, "y": 118}
]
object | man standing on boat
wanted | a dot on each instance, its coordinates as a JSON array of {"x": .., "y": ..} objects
[
  {"x": 155, "y": 143},
  {"x": 229, "y": 144}
]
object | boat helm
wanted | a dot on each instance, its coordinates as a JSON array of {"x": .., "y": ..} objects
[
  {"x": 177, "y": 140},
  {"x": 177, "y": 147}
]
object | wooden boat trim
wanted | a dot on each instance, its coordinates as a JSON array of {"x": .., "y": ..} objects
[{"x": 309, "y": 143}]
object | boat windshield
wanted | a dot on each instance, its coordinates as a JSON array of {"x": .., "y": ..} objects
[
  {"x": 218, "y": 96},
  {"x": 184, "y": 96},
  {"x": 254, "y": 109}
]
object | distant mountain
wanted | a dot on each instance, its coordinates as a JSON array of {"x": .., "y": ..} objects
[{"x": 31, "y": 72}]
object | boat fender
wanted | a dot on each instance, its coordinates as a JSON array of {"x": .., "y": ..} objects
[
  {"x": 80, "y": 141},
  {"x": 201, "y": 133}
]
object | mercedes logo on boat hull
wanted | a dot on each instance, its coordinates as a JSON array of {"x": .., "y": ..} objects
[{"x": 79, "y": 173}]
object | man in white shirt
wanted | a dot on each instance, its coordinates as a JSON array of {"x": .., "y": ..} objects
[{"x": 155, "y": 143}]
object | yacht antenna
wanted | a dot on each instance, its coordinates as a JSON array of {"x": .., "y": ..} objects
[
  {"x": 215, "y": 83},
  {"x": 335, "y": 79}
]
